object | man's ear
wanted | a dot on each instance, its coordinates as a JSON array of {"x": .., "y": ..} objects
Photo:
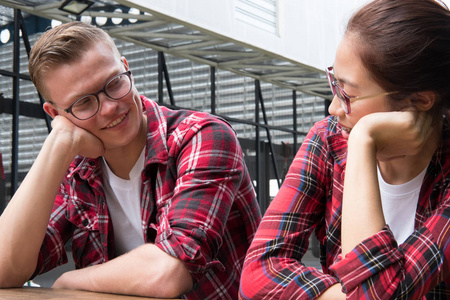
[
  {"x": 125, "y": 62},
  {"x": 50, "y": 110},
  {"x": 423, "y": 101}
]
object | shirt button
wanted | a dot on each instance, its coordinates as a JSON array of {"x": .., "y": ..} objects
[{"x": 85, "y": 222}]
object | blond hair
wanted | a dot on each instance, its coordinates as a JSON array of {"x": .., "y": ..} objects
[{"x": 64, "y": 44}]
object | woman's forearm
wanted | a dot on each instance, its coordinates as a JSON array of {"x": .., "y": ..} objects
[{"x": 362, "y": 213}]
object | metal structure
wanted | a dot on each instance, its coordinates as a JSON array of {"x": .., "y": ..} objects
[
  {"x": 165, "y": 34},
  {"x": 170, "y": 38}
]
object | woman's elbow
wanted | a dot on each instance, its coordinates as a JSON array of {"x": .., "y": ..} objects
[{"x": 247, "y": 288}]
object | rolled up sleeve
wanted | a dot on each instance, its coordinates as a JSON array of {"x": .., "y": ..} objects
[{"x": 209, "y": 173}]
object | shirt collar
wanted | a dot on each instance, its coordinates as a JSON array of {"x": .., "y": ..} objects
[
  {"x": 157, "y": 150},
  {"x": 337, "y": 143}
]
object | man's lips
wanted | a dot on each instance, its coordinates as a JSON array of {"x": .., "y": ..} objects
[{"x": 116, "y": 122}]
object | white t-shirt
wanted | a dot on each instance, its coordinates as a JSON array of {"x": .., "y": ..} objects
[
  {"x": 400, "y": 205},
  {"x": 123, "y": 199}
]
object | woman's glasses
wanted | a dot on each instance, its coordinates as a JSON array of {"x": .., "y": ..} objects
[{"x": 345, "y": 99}]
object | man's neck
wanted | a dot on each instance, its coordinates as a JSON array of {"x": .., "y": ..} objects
[{"x": 122, "y": 160}]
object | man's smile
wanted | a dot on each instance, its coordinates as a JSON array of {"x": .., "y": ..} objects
[{"x": 116, "y": 121}]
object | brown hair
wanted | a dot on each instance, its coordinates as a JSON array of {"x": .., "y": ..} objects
[
  {"x": 63, "y": 44},
  {"x": 405, "y": 46}
]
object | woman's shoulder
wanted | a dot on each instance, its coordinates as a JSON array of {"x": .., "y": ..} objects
[{"x": 326, "y": 127}]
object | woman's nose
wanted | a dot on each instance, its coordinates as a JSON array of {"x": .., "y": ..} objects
[{"x": 335, "y": 108}]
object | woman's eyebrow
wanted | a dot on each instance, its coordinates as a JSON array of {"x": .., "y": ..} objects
[{"x": 344, "y": 81}]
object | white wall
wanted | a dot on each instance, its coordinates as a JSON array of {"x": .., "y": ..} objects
[{"x": 309, "y": 32}]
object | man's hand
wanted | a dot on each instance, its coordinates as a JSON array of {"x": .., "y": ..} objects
[
  {"x": 77, "y": 139},
  {"x": 75, "y": 280}
]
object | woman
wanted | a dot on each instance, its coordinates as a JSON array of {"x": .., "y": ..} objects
[{"x": 384, "y": 231}]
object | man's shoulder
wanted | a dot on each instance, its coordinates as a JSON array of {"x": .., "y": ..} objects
[
  {"x": 185, "y": 119},
  {"x": 180, "y": 117}
]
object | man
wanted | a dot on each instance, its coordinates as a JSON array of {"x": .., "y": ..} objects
[{"x": 157, "y": 202}]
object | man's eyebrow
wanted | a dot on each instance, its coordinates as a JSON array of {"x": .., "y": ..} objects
[{"x": 81, "y": 95}]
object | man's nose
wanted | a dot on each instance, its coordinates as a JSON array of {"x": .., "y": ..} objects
[{"x": 107, "y": 105}]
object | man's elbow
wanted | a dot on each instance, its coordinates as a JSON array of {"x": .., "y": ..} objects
[
  {"x": 8, "y": 281},
  {"x": 11, "y": 275},
  {"x": 172, "y": 290},
  {"x": 169, "y": 277},
  {"x": 174, "y": 282},
  {"x": 175, "y": 286}
]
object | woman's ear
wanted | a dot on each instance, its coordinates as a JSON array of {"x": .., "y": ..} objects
[
  {"x": 423, "y": 101},
  {"x": 50, "y": 110}
]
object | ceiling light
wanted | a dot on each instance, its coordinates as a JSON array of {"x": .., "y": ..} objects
[
  {"x": 75, "y": 7},
  {"x": 5, "y": 36},
  {"x": 117, "y": 21}
]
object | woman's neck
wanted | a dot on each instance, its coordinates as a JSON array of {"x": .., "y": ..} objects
[{"x": 406, "y": 168}]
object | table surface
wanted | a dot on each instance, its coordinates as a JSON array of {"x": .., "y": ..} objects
[{"x": 33, "y": 293}]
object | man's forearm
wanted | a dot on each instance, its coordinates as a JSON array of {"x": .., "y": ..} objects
[
  {"x": 23, "y": 223},
  {"x": 145, "y": 271}
]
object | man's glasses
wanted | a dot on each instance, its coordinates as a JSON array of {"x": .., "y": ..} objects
[
  {"x": 87, "y": 106},
  {"x": 345, "y": 99}
]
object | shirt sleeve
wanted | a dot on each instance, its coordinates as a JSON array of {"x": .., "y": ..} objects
[
  {"x": 378, "y": 268},
  {"x": 207, "y": 164},
  {"x": 273, "y": 268},
  {"x": 53, "y": 252}
]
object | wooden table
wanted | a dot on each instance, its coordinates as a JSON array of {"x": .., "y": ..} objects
[{"x": 34, "y": 293}]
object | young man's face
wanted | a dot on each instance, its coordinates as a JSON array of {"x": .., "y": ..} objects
[{"x": 117, "y": 122}]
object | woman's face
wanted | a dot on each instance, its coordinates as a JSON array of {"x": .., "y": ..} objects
[{"x": 353, "y": 77}]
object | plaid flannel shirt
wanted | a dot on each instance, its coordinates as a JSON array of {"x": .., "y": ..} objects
[
  {"x": 197, "y": 203},
  {"x": 311, "y": 199}
]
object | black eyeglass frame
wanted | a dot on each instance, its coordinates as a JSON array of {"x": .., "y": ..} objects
[{"x": 69, "y": 109}]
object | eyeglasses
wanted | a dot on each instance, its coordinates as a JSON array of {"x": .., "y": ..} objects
[
  {"x": 345, "y": 99},
  {"x": 87, "y": 106}
]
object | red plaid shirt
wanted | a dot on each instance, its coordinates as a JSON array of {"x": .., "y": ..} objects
[
  {"x": 378, "y": 268},
  {"x": 197, "y": 203}
]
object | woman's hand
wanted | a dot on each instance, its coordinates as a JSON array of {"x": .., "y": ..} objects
[
  {"x": 77, "y": 140},
  {"x": 395, "y": 134}
]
